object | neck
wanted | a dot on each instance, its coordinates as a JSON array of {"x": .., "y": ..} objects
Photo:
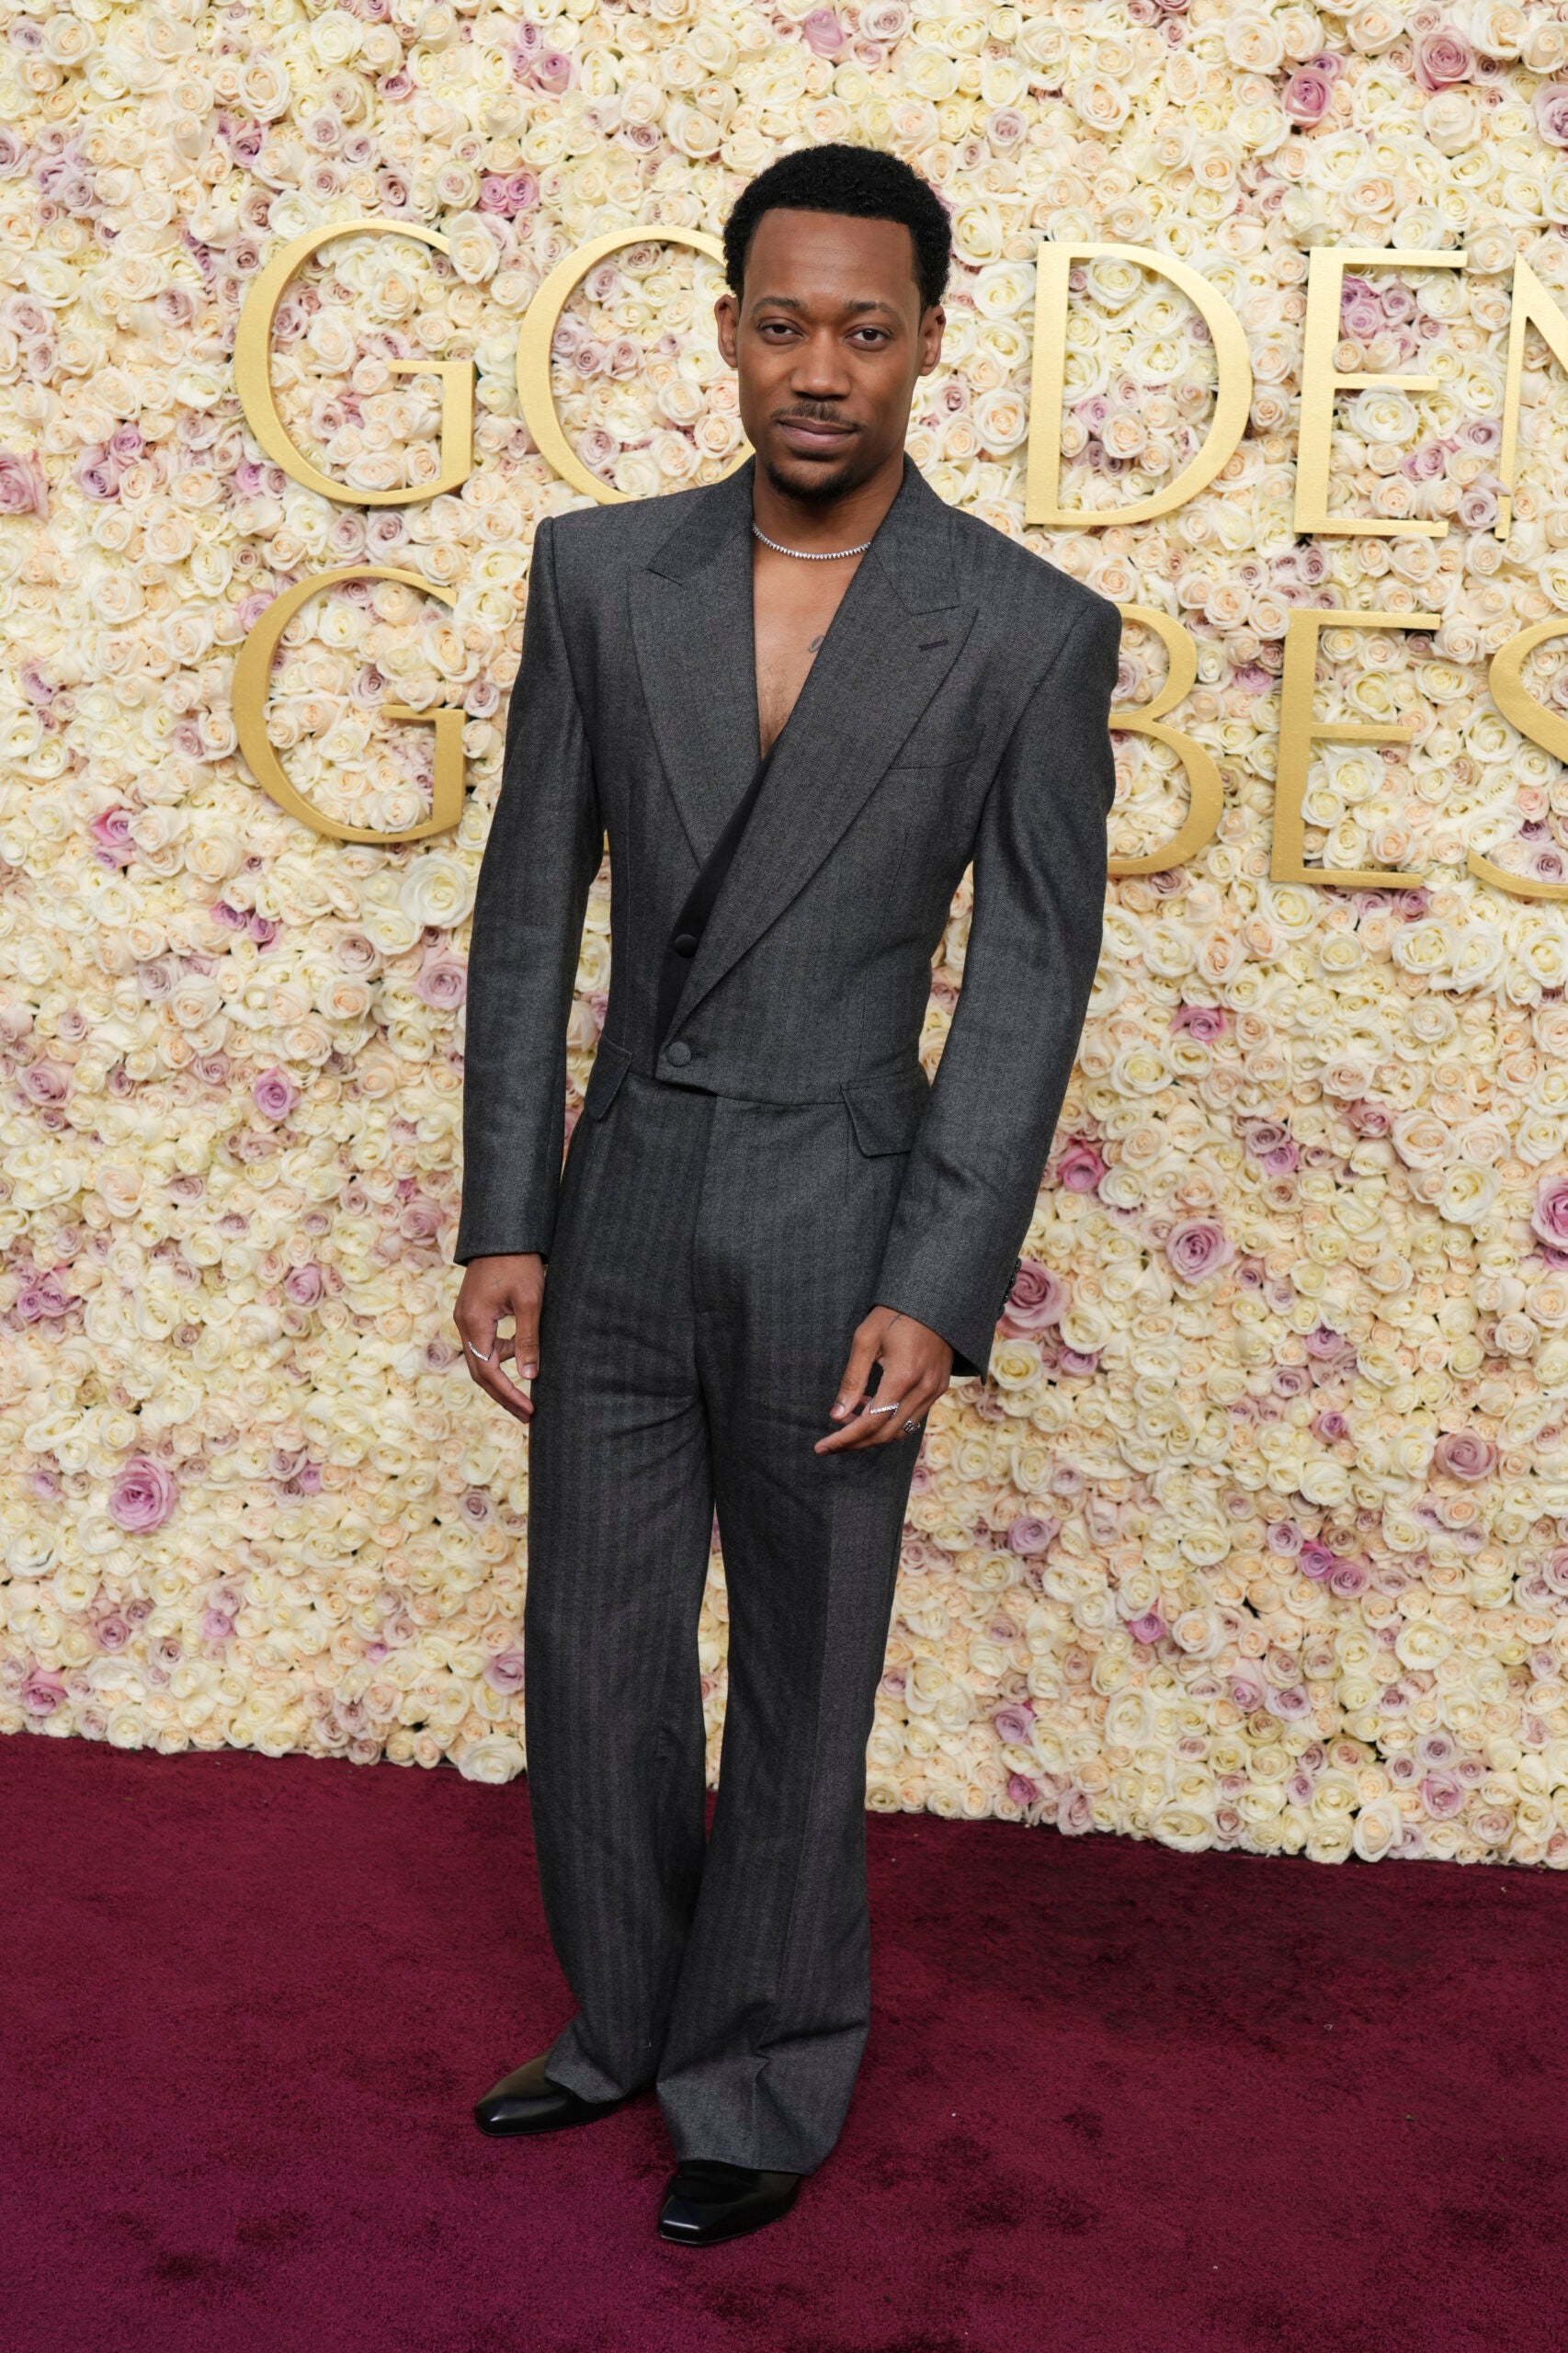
[{"x": 821, "y": 527}]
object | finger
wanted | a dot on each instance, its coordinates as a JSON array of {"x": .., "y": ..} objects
[
  {"x": 491, "y": 1378},
  {"x": 856, "y": 1372},
  {"x": 525, "y": 1337},
  {"x": 865, "y": 1428},
  {"x": 476, "y": 1329},
  {"x": 482, "y": 1353},
  {"x": 918, "y": 1396}
]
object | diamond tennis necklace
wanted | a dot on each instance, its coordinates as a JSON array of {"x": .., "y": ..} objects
[{"x": 808, "y": 555}]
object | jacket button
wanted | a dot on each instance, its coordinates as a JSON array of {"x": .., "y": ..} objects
[
  {"x": 679, "y": 1053},
  {"x": 684, "y": 943}
]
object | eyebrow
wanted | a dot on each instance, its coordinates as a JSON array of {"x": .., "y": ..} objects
[{"x": 792, "y": 302}]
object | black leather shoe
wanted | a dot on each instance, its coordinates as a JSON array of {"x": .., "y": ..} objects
[
  {"x": 708, "y": 2201},
  {"x": 527, "y": 2101}
]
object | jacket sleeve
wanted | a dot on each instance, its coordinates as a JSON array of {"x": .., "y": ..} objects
[
  {"x": 544, "y": 849},
  {"x": 971, "y": 1184}
]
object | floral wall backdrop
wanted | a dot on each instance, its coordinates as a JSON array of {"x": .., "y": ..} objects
[{"x": 1259, "y": 1535}]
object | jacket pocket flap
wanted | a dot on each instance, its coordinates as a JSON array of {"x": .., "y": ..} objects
[
  {"x": 611, "y": 1066},
  {"x": 886, "y": 1112}
]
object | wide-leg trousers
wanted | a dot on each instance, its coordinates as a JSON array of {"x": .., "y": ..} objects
[{"x": 710, "y": 1262}]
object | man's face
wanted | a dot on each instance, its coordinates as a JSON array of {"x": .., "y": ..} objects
[{"x": 827, "y": 340}]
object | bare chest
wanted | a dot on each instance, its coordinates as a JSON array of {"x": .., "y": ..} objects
[{"x": 792, "y": 609}]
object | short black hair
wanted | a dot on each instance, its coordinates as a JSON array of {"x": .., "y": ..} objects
[{"x": 865, "y": 182}]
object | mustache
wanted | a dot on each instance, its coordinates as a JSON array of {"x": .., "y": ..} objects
[{"x": 815, "y": 413}]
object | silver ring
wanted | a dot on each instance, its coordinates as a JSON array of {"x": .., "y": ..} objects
[
  {"x": 872, "y": 1411},
  {"x": 474, "y": 1352},
  {"x": 910, "y": 1428}
]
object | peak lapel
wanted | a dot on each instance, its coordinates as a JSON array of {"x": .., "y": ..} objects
[
  {"x": 691, "y": 624},
  {"x": 893, "y": 640}
]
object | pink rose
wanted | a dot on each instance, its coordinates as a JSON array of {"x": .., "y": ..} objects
[
  {"x": 275, "y": 1094},
  {"x": 1204, "y": 1022},
  {"x": 45, "y": 1083},
  {"x": 503, "y": 1673},
  {"x": 1360, "y": 312},
  {"x": 1551, "y": 112},
  {"x": 24, "y": 485},
  {"x": 1081, "y": 1167},
  {"x": 1150, "y": 1628},
  {"x": 1465, "y": 1455},
  {"x": 1021, "y": 1790},
  {"x": 1029, "y": 1534},
  {"x": 1550, "y": 1216},
  {"x": 1037, "y": 1300},
  {"x": 1012, "y": 1723},
  {"x": 442, "y": 982},
  {"x": 1197, "y": 1248},
  {"x": 1306, "y": 96},
  {"x": 1442, "y": 1796},
  {"x": 302, "y": 1287},
  {"x": 141, "y": 1497},
  {"x": 1315, "y": 1561},
  {"x": 1441, "y": 59},
  {"x": 110, "y": 829},
  {"x": 821, "y": 32},
  {"x": 97, "y": 474},
  {"x": 42, "y": 1693},
  {"x": 554, "y": 70}
]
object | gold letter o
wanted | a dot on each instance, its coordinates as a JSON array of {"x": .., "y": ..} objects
[{"x": 535, "y": 396}]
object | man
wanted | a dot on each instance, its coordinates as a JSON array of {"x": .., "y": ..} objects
[{"x": 769, "y": 1250}]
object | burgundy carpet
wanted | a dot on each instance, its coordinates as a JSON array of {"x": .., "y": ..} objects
[{"x": 1116, "y": 2100}]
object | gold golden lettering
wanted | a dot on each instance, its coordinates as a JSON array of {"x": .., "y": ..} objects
[
  {"x": 1532, "y": 306},
  {"x": 1506, "y": 678},
  {"x": 252, "y": 667},
  {"x": 1208, "y": 797},
  {"x": 536, "y": 395},
  {"x": 253, "y": 375},
  {"x": 1299, "y": 730},
  {"x": 1321, "y": 380},
  {"x": 1042, "y": 487}
]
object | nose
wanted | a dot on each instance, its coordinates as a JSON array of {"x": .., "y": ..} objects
[{"x": 820, "y": 373}]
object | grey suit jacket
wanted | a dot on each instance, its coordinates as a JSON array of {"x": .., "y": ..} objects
[{"x": 956, "y": 710}]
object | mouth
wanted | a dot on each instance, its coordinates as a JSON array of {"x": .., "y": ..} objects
[{"x": 815, "y": 436}]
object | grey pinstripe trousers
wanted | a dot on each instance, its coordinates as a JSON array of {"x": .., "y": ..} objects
[{"x": 711, "y": 1259}]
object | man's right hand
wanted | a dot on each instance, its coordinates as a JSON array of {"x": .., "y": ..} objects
[{"x": 492, "y": 1289}]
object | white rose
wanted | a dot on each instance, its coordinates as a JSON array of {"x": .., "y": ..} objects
[
  {"x": 436, "y": 890},
  {"x": 497, "y": 1757}
]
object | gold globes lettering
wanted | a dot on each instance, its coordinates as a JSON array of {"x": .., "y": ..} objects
[{"x": 1321, "y": 381}]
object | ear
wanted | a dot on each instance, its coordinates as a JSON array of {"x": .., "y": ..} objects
[
  {"x": 727, "y": 317},
  {"x": 932, "y": 326}
]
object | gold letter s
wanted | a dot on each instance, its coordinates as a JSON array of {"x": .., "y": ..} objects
[{"x": 1506, "y": 678}]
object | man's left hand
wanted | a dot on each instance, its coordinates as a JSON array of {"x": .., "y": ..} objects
[{"x": 917, "y": 1365}]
